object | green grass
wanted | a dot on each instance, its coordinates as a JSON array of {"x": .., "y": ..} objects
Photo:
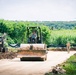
[
  {"x": 59, "y": 37},
  {"x": 69, "y": 66}
]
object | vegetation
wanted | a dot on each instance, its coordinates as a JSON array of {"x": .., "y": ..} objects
[
  {"x": 54, "y": 33},
  {"x": 61, "y": 37},
  {"x": 59, "y": 24},
  {"x": 16, "y": 31},
  {"x": 70, "y": 65}
]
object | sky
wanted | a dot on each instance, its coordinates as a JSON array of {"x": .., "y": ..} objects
[{"x": 38, "y": 10}]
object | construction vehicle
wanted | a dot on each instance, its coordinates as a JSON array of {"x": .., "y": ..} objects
[
  {"x": 2, "y": 46},
  {"x": 34, "y": 48}
]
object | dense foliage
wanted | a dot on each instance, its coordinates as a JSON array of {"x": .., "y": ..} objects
[
  {"x": 55, "y": 34},
  {"x": 61, "y": 37},
  {"x": 16, "y": 31}
]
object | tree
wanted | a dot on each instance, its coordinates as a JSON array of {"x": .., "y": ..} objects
[{"x": 46, "y": 34}]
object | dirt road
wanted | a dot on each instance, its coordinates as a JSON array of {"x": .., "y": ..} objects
[{"x": 17, "y": 67}]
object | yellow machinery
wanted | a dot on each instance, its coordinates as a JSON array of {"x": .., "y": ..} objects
[{"x": 34, "y": 48}]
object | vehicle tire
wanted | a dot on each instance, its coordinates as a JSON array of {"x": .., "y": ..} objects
[
  {"x": 0, "y": 49},
  {"x": 46, "y": 58},
  {"x": 3, "y": 50},
  {"x": 21, "y": 59}
]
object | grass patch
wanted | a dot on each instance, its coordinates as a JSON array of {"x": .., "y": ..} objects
[
  {"x": 61, "y": 37},
  {"x": 69, "y": 66}
]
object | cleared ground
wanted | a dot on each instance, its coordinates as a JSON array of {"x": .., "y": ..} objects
[{"x": 17, "y": 67}]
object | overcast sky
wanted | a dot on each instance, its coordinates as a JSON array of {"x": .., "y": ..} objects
[{"x": 38, "y": 10}]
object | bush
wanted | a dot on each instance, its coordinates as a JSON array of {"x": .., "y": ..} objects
[
  {"x": 46, "y": 34},
  {"x": 61, "y": 37},
  {"x": 70, "y": 65}
]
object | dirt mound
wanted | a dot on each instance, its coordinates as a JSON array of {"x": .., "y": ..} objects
[{"x": 8, "y": 55}]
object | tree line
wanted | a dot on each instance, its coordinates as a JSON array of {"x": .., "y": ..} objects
[
  {"x": 59, "y": 24},
  {"x": 17, "y": 31}
]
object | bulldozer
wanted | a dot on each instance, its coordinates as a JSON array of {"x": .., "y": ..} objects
[{"x": 34, "y": 48}]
